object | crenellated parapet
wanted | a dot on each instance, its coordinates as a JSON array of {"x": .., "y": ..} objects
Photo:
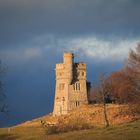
[
  {"x": 80, "y": 66},
  {"x": 59, "y": 66}
]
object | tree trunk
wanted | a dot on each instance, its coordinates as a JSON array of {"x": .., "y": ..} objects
[{"x": 105, "y": 115}]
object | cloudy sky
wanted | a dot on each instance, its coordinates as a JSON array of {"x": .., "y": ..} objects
[{"x": 35, "y": 33}]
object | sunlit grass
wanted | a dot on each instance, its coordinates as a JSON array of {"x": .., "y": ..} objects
[{"x": 128, "y": 131}]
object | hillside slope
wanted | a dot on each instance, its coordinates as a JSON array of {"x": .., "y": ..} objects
[
  {"x": 92, "y": 114},
  {"x": 127, "y": 131},
  {"x": 123, "y": 125}
]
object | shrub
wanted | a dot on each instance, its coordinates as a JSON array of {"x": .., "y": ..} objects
[{"x": 69, "y": 125}]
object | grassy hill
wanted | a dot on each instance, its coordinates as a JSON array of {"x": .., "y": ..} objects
[
  {"x": 123, "y": 126},
  {"x": 92, "y": 114}
]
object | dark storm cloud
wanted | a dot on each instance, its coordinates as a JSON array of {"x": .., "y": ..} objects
[{"x": 21, "y": 20}]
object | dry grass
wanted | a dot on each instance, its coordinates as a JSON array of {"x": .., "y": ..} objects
[
  {"x": 85, "y": 117},
  {"x": 91, "y": 114},
  {"x": 128, "y": 131}
]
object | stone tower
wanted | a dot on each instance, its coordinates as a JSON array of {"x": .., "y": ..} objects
[{"x": 71, "y": 85}]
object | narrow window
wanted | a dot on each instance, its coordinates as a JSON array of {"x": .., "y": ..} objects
[
  {"x": 78, "y": 73},
  {"x": 60, "y": 109},
  {"x": 83, "y": 73},
  {"x": 61, "y": 86},
  {"x": 77, "y": 103},
  {"x": 74, "y": 86},
  {"x": 79, "y": 86}
]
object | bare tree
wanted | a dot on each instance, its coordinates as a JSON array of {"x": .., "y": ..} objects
[
  {"x": 122, "y": 86},
  {"x": 133, "y": 69},
  {"x": 101, "y": 93}
]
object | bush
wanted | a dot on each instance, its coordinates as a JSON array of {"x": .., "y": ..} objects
[
  {"x": 69, "y": 125},
  {"x": 52, "y": 129}
]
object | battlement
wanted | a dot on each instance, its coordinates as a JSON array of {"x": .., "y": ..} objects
[
  {"x": 80, "y": 65},
  {"x": 60, "y": 66}
]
